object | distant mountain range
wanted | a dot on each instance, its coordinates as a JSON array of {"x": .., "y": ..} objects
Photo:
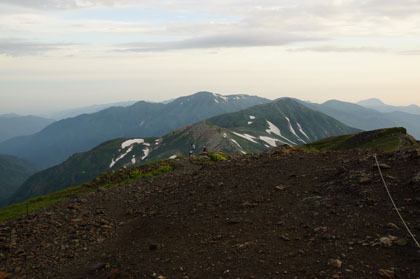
[
  {"x": 250, "y": 130},
  {"x": 234, "y": 124},
  {"x": 368, "y": 119},
  {"x": 63, "y": 138},
  {"x": 13, "y": 125},
  {"x": 87, "y": 110},
  {"x": 378, "y": 105}
]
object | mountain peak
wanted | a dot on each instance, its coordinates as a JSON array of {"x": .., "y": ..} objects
[{"x": 371, "y": 102}]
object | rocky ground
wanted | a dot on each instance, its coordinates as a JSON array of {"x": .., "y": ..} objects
[{"x": 280, "y": 214}]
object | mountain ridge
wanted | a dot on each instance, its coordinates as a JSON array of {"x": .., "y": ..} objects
[
  {"x": 273, "y": 124},
  {"x": 367, "y": 119},
  {"x": 13, "y": 125},
  {"x": 380, "y": 106},
  {"x": 56, "y": 142}
]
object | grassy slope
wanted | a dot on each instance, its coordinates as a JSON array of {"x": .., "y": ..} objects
[
  {"x": 386, "y": 140},
  {"x": 114, "y": 178},
  {"x": 79, "y": 168},
  {"x": 111, "y": 179},
  {"x": 13, "y": 172}
]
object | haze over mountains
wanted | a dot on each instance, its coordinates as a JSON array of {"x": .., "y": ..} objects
[
  {"x": 247, "y": 131},
  {"x": 77, "y": 149},
  {"x": 13, "y": 125},
  {"x": 13, "y": 172},
  {"x": 86, "y": 110},
  {"x": 368, "y": 119},
  {"x": 61, "y": 139},
  {"x": 378, "y": 105}
]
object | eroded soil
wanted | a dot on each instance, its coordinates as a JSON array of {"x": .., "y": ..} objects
[{"x": 280, "y": 214}]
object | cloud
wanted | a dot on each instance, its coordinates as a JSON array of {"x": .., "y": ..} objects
[
  {"x": 340, "y": 49},
  {"x": 227, "y": 40},
  {"x": 195, "y": 24},
  {"x": 19, "y": 47},
  {"x": 410, "y": 52},
  {"x": 67, "y": 4}
]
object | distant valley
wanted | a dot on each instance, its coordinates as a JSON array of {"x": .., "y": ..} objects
[
  {"x": 58, "y": 141},
  {"x": 75, "y": 150},
  {"x": 380, "y": 106},
  {"x": 250, "y": 130},
  {"x": 13, "y": 125},
  {"x": 363, "y": 118},
  {"x": 13, "y": 172}
]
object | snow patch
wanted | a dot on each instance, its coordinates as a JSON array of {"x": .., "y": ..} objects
[
  {"x": 250, "y": 122},
  {"x": 235, "y": 142},
  {"x": 251, "y": 117},
  {"x": 247, "y": 137},
  {"x": 130, "y": 142},
  {"x": 266, "y": 145},
  {"x": 121, "y": 156},
  {"x": 146, "y": 153},
  {"x": 173, "y": 157},
  {"x": 301, "y": 130},
  {"x": 275, "y": 130},
  {"x": 293, "y": 130},
  {"x": 224, "y": 98},
  {"x": 270, "y": 141},
  {"x": 243, "y": 152},
  {"x": 224, "y": 135},
  {"x": 219, "y": 96}
]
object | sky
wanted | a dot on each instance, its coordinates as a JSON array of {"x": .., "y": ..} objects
[{"x": 60, "y": 54}]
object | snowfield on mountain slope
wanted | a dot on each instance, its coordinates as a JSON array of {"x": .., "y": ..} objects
[
  {"x": 302, "y": 131},
  {"x": 275, "y": 130},
  {"x": 293, "y": 130},
  {"x": 270, "y": 141},
  {"x": 246, "y": 136},
  {"x": 235, "y": 142},
  {"x": 146, "y": 153},
  {"x": 130, "y": 144}
]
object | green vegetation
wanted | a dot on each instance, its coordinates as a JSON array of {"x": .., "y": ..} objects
[
  {"x": 386, "y": 140},
  {"x": 216, "y": 157},
  {"x": 34, "y": 204},
  {"x": 58, "y": 141},
  {"x": 281, "y": 113},
  {"x": 78, "y": 169},
  {"x": 210, "y": 157},
  {"x": 331, "y": 143},
  {"x": 13, "y": 172},
  {"x": 106, "y": 180}
]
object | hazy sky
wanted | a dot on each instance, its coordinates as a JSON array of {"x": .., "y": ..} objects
[{"x": 57, "y": 54}]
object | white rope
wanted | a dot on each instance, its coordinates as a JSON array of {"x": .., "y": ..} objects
[{"x": 393, "y": 203}]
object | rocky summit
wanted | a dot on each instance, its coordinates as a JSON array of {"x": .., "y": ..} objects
[{"x": 284, "y": 213}]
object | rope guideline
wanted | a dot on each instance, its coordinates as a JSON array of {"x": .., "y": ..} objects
[{"x": 393, "y": 203}]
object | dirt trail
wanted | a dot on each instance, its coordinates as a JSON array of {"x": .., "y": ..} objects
[{"x": 280, "y": 214}]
